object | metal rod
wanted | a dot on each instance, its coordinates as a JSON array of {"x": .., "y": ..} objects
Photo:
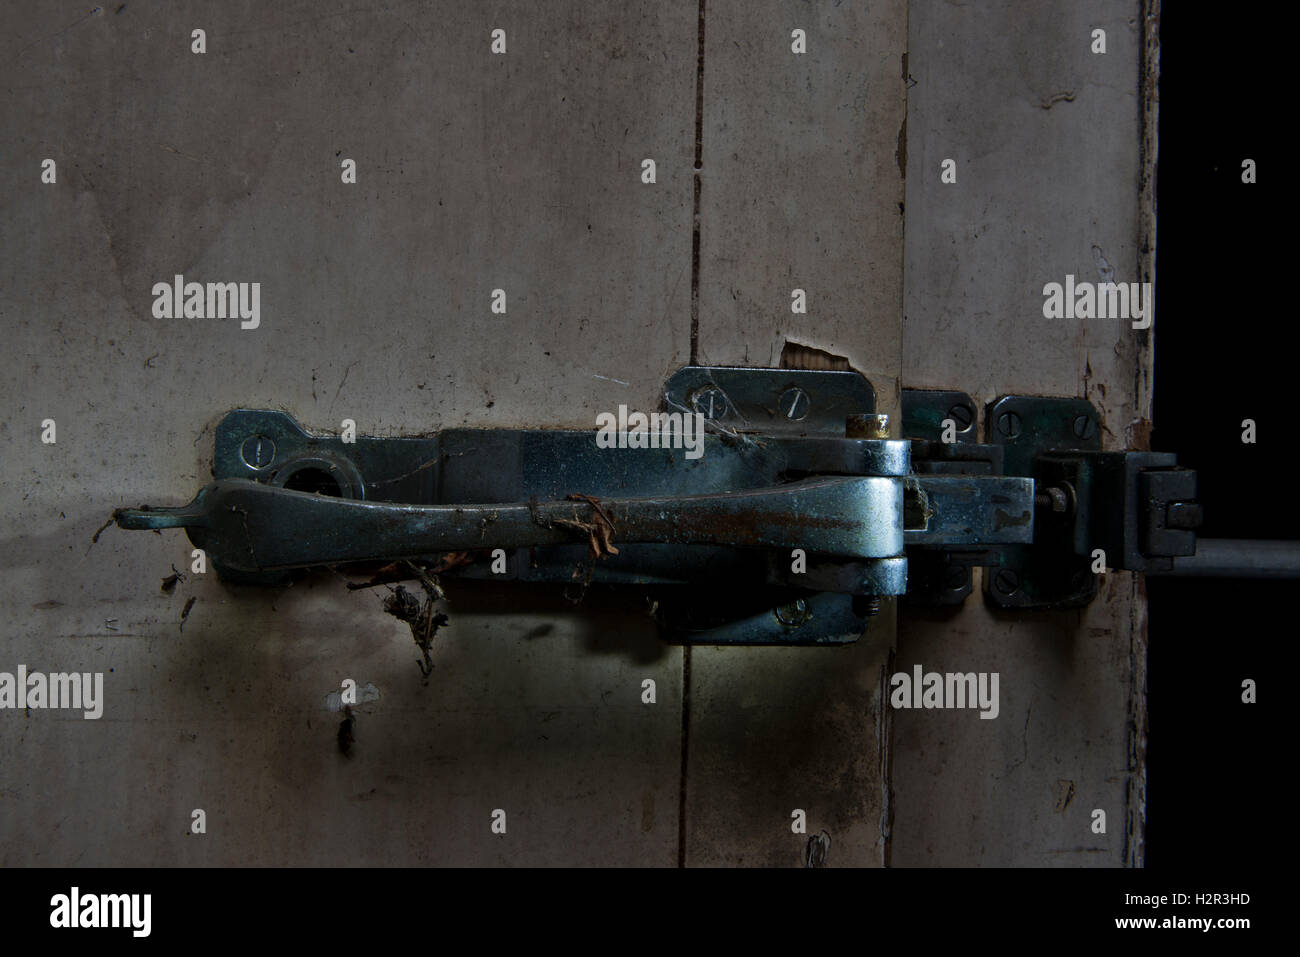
[
  {"x": 251, "y": 526},
  {"x": 1239, "y": 558}
]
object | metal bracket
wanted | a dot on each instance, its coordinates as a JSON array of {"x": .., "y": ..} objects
[
  {"x": 936, "y": 575},
  {"x": 1137, "y": 508},
  {"x": 778, "y": 402},
  {"x": 1049, "y": 573}
]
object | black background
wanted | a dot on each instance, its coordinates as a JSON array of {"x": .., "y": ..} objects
[{"x": 1225, "y": 351}]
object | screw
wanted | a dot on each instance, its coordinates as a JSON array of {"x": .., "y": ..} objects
[
  {"x": 871, "y": 606},
  {"x": 794, "y": 403},
  {"x": 711, "y": 402},
  {"x": 1006, "y": 581},
  {"x": 962, "y": 415},
  {"x": 1009, "y": 424},
  {"x": 955, "y": 580},
  {"x": 866, "y": 425},
  {"x": 794, "y": 614},
  {"x": 1084, "y": 427},
  {"x": 1052, "y": 497},
  {"x": 257, "y": 451}
]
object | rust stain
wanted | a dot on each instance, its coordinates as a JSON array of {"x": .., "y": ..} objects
[
  {"x": 1064, "y": 795},
  {"x": 1140, "y": 435}
]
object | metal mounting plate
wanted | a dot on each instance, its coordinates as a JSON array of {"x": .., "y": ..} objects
[
  {"x": 939, "y": 576},
  {"x": 771, "y": 401},
  {"x": 1048, "y": 573},
  {"x": 924, "y": 412}
]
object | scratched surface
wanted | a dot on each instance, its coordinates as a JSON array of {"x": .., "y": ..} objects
[
  {"x": 522, "y": 173},
  {"x": 800, "y": 189},
  {"x": 1047, "y": 138},
  {"x": 475, "y": 172}
]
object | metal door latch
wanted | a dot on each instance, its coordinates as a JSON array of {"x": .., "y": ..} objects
[
  {"x": 1093, "y": 510},
  {"x": 794, "y": 519}
]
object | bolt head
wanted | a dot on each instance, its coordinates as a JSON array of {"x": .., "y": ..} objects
[
  {"x": 710, "y": 402},
  {"x": 961, "y": 414},
  {"x": 794, "y": 404},
  {"x": 794, "y": 614},
  {"x": 257, "y": 451},
  {"x": 1006, "y": 582},
  {"x": 1085, "y": 427},
  {"x": 955, "y": 578}
]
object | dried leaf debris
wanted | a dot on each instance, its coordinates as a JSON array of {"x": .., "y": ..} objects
[{"x": 419, "y": 614}]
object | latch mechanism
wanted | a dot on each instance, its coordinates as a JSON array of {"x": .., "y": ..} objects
[
  {"x": 786, "y": 522},
  {"x": 1092, "y": 510}
]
